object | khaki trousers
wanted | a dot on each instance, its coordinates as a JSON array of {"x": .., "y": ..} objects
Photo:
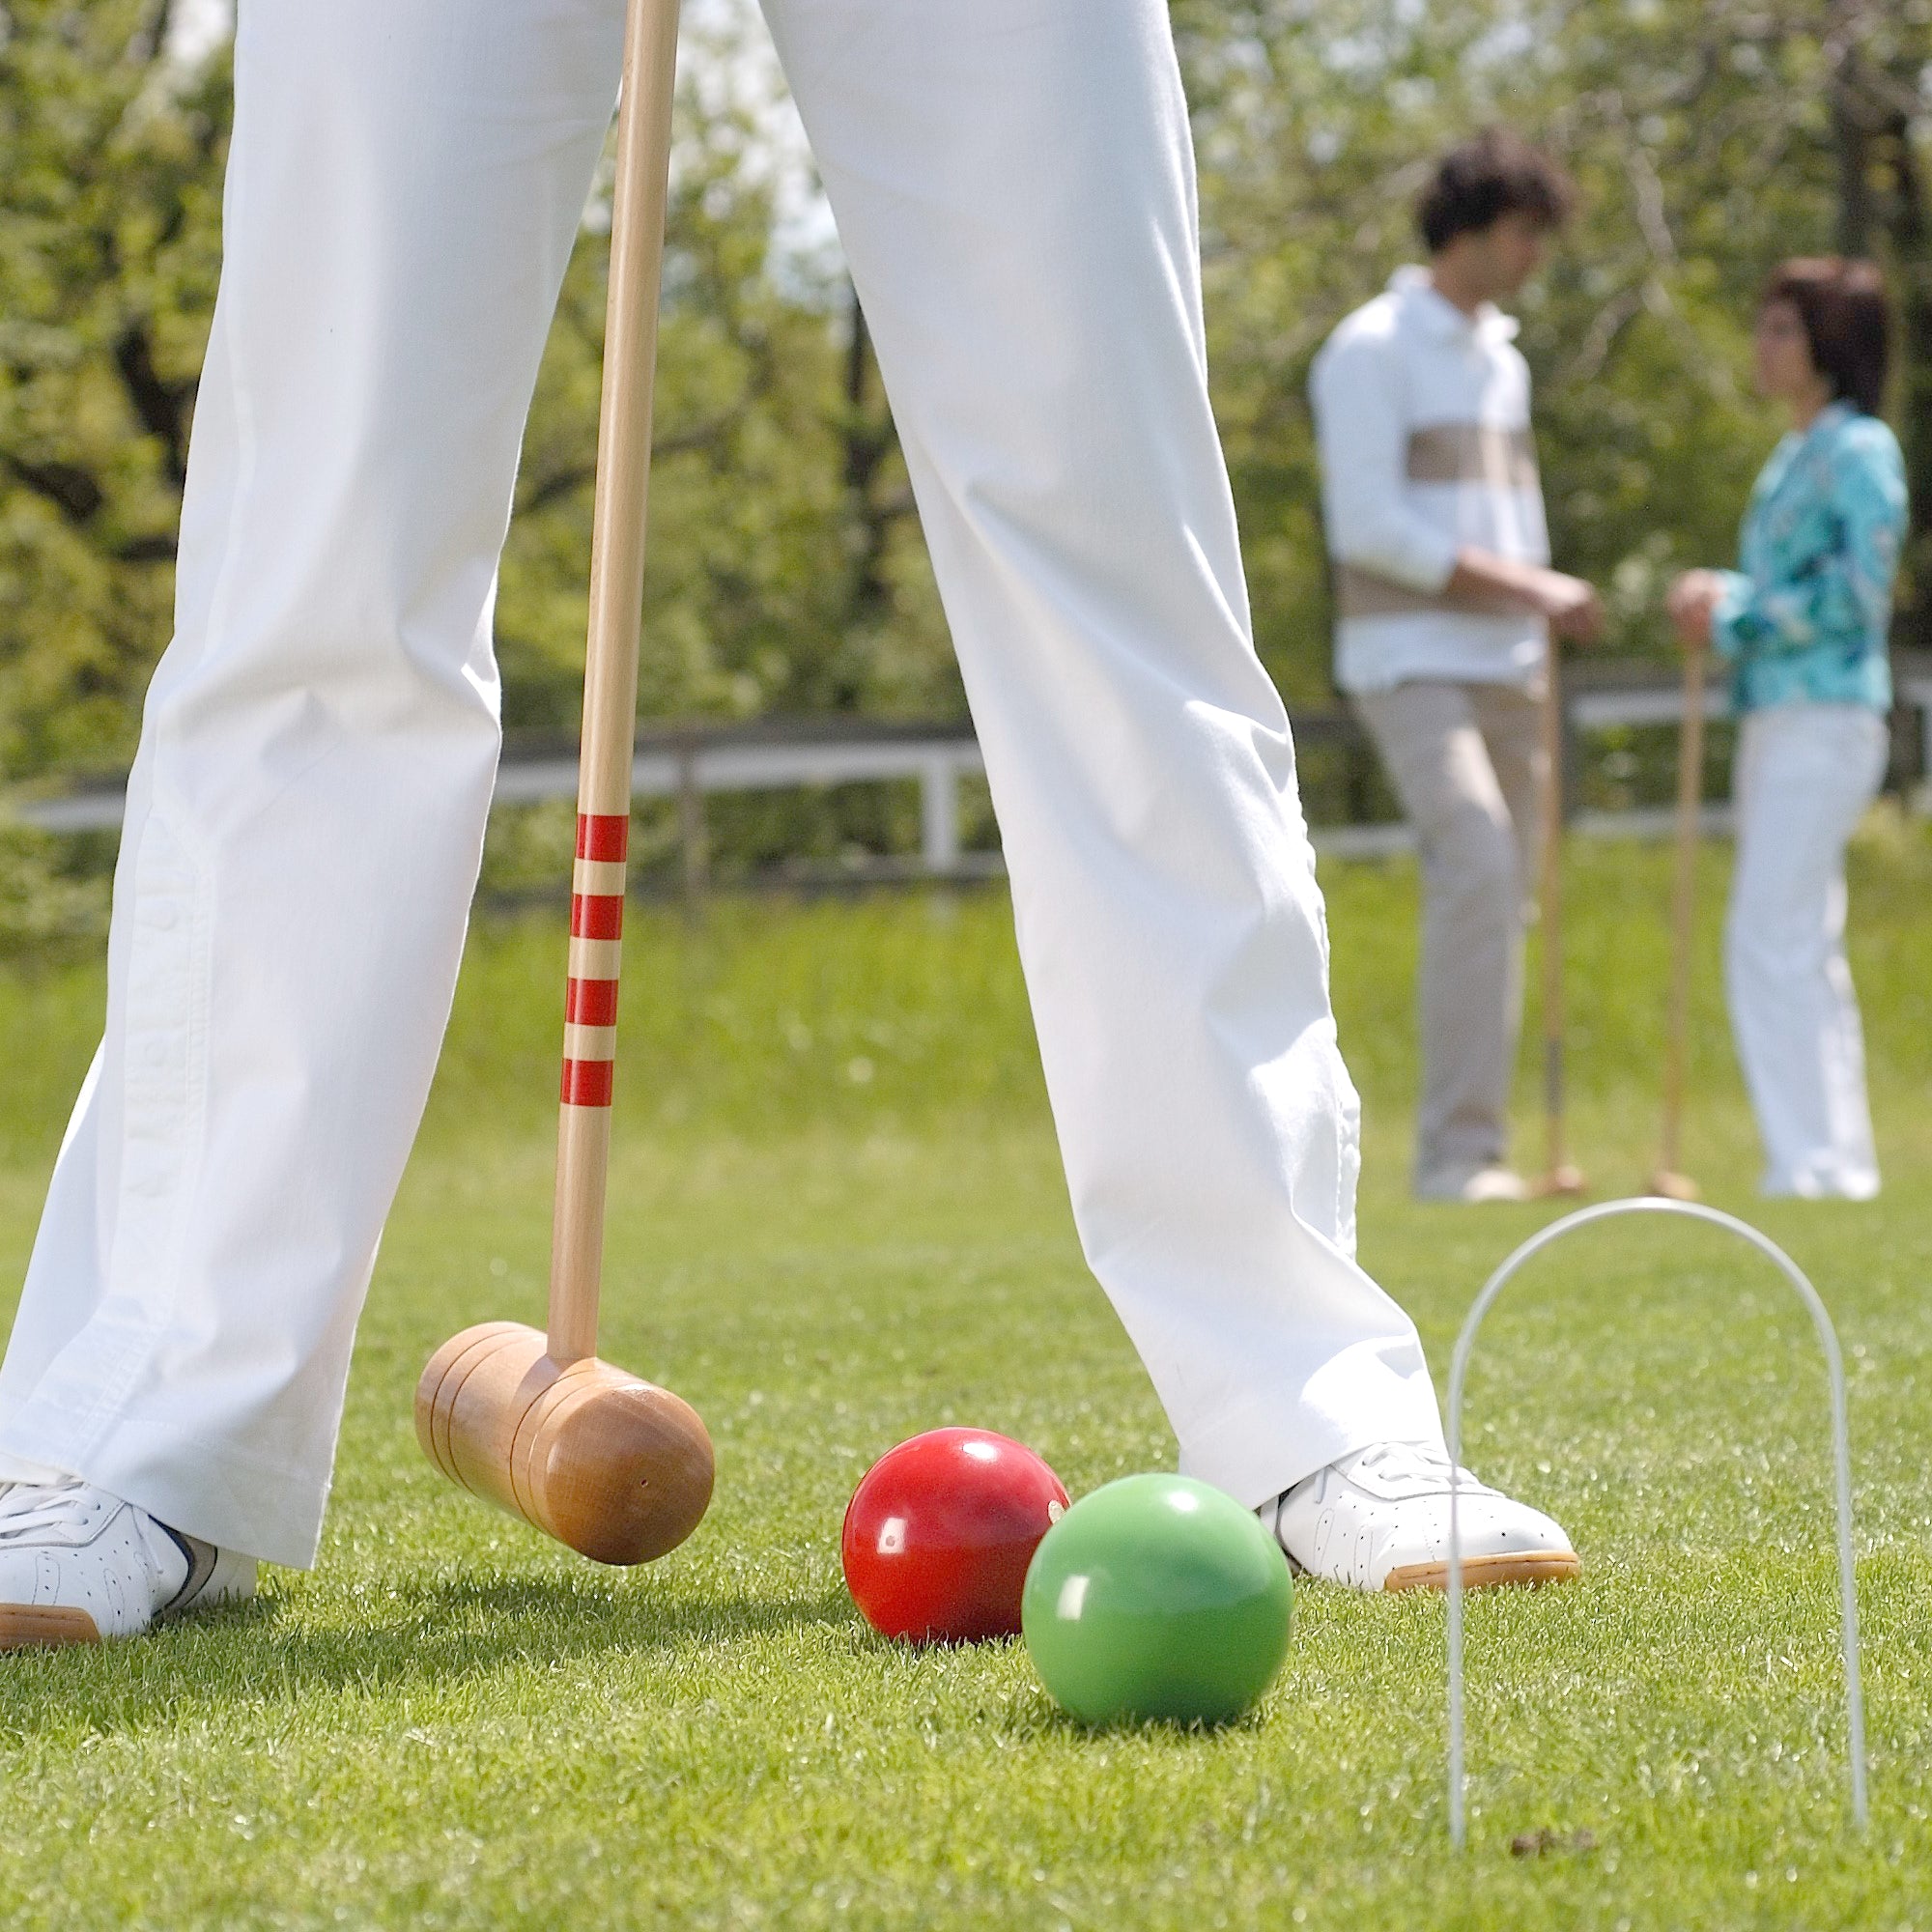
[{"x": 1466, "y": 762}]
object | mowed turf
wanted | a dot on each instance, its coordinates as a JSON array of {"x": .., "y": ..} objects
[{"x": 838, "y": 1220}]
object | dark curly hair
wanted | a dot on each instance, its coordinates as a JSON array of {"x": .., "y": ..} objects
[{"x": 1491, "y": 175}]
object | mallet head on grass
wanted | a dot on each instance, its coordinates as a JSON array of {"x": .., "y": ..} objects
[{"x": 603, "y": 1461}]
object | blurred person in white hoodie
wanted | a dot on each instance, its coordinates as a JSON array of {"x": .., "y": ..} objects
[{"x": 1445, "y": 601}]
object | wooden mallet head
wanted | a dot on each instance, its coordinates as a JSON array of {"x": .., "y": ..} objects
[
  {"x": 613, "y": 1466},
  {"x": 597, "y": 1458}
]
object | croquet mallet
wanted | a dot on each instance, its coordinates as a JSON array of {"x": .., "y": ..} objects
[
  {"x": 618, "y": 1469},
  {"x": 1668, "y": 1180},
  {"x": 1558, "y": 1176}
]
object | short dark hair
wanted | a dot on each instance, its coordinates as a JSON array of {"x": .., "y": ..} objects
[
  {"x": 1847, "y": 319},
  {"x": 1491, "y": 175}
]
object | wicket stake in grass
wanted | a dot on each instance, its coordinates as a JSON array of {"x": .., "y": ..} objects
[
  {"x": 1667, "y": 1180},
  {"x": 1558, "y": 1176},
  {"x": 615, "y": 1467}
]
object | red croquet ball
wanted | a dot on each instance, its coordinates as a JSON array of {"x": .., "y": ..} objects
[{"x": 938, "y": 1536}]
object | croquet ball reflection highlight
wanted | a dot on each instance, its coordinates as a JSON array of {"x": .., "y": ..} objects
[
  {"x": 1158, "y": 1597},
  {"x": 939, "y": 1534}
]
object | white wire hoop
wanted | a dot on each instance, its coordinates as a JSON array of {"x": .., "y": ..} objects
[{"x": 1841, "y": 1456}]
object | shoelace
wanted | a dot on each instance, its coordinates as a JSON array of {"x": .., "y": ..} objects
[
  {"x": 30, "y": 1507},
  {"x": 1410, "y": 1463}
]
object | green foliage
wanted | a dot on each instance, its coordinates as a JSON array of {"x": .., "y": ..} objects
[
  {"x": 53, "y": 896},
  {"x": 1704, "y": 143},
  {"x": 787, "y": 571},
  {"x": 109, "y": 245}
]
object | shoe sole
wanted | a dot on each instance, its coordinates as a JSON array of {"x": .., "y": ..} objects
[
  {"x": 50, "y": 1627},
  {"x": 45, "y": 1627},
  {"x": 1524, "y": 1567}
]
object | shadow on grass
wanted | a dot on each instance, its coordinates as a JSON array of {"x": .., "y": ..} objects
[
  {"x": 1050, "y": 1720},
  {"x": 418, "y": 1638}
]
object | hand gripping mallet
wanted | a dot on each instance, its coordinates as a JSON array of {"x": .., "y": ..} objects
[
  {"x": 616, "y": 1468},
  {"x": 1558, "y": 1176},
  {"x": 1668, "y": 1180}
]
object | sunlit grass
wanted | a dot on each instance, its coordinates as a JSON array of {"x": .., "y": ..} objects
[{"x": 452, "y": 1724}]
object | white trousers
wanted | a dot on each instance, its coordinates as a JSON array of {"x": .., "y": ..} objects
[
  {"x": 1013, "y": 183},
  {"x": 1804, "y": 774}
]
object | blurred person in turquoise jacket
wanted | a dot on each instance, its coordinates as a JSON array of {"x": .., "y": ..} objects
[{"x": 1801, "y": 624}]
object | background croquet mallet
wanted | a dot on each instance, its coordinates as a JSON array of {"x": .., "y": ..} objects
[
  {"x": 607, "y": 1463},
  {"x": 1668, "y": 1179},
  {"x": 1558, "y": 1176}
]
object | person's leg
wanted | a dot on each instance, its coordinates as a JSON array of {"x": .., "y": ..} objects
[
  {"x": 1469, "y": 994},
  {"x": 1013, "y": 185},
  {"x": 307, "y": 814},
  {"x": 1805, "y": 775},
  {"x": 1511, "y": 721}
]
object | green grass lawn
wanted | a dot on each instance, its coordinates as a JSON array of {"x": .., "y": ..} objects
[{"x": 837, "y": 1219}]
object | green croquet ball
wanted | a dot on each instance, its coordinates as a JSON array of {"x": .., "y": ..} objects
[{"x": 1158, "y": 1597}]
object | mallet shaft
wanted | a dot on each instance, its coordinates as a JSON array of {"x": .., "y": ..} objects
[
  {"x": 606, "y": 1463},
  {"x": 1549, "y": 902},
  {"x": 1689, "y": 806},
  {"x": 640, "y": 196}
]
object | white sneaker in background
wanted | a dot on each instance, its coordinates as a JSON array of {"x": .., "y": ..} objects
[
  {"x": 1474, "y": 1185},
  {"x": 1378, "y": 1519},
  {"x": 79, "y": 1566}
]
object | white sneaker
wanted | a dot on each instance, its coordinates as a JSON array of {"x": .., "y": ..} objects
[
  {"x": 1378, "y": 1519},
  {"x": 78, "y": 1565},
  {"x": 1474, "y": 1185}
]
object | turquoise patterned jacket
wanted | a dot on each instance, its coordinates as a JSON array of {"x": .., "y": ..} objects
[{"x": 1803, "y": 620}]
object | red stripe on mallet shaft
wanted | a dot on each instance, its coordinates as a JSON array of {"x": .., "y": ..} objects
[
  {"x": 586, "y": 1083},
  {"x": 603, "y": 835},
  {"x": 597, "y": 915},
  {"x": 591, "y": 1003}
]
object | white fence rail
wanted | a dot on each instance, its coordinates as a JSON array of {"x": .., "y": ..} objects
[
  {"x": 691, "y": 765},
  {"x": 701, "y": 766},
  {"x": 697, "y": 764}
]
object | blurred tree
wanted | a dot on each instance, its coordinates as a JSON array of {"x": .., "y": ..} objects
[
  {"x": 787, "y": 571},
  {"x": 1877, "y": 53},
  {"x": 109, "y": 241},
  {"x": 1709, "y": 139}
]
